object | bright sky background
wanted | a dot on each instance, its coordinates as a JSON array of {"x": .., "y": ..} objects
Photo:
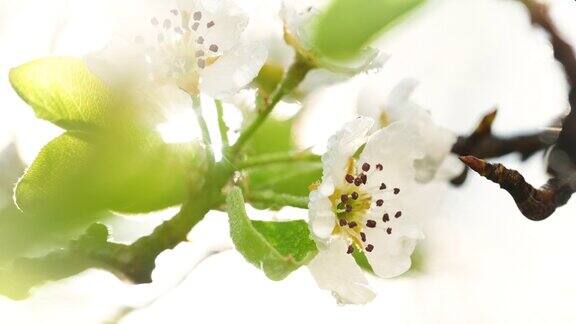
[{"x": 483, "y": 261}]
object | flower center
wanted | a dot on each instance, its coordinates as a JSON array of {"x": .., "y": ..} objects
[
  {"x": 179, "y": 50},
  {"x": 353, "y": 200}
]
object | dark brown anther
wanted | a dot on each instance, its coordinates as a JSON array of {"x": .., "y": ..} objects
[
  {"x": 396, "y": 191},
  {"x": 350, "y": 249},
  {"x": 383, "y": 186},
  {"x": 365, "y": 167},
  {"x": 348, "y": 208},
  {"x": 369, "y": 248},
  {"x": 344, "y": 198},
  {"x": 389, "y": 230},
  {"x": 195, "y": 26},
  {"x": 379, "y": 167},
  {"x": 398, "y": 214},
  {"x": 213, "y": 48},
  {"x": 200, "y": 40},
  {"x": 349, "y": 178},
  {"x": 379, "y": 202},
  {"x": 357, "y": 182},
  {"x": 363, "y": 236},
  {"x": 352, "y": 224},
  {"x": 385, "y": 218},
  {"x": 371, "y": 223},
  {"x": 342, "y": 222},
  {"x": 197, "y": 15},
  {"x": 364, "y": 178},
  {"x": 210, "y": 24},
  {"x": 354, "y": 195}
]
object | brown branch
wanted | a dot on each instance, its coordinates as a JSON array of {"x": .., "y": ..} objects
[
  {"x": 482, "y": 143},
  {"x": 538, "y": 204},
  {"x": 535, "y": 204}
]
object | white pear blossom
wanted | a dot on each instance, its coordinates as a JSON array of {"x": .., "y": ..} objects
[
  {"x": 195, "y": 45},
  {"x": 363, "y": 204},
  {"x": 299, "y": 18},
  {"x": 437, "y": 140}
]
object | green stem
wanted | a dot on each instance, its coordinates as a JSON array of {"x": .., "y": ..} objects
[
  {"x": 276, "y": 158},
  {"x": 222, "y": 124},
  {"x": 295, "y": 74},
  {"x": 197, "y": 104},
  {"x": 276, "y": 199}
]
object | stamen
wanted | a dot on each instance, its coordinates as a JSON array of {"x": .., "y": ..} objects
[
  {"x": 363, "y": 236},
  {"x": 349, "y": 178},
  {"x": 379, "y": 167},
  {"x": 385, "y": 218},
  {"x": 197, "y": 15},
  {"x": 383, "y": 186},
  {"x": 174, "y": 12},
  {"x": 200, "y": 40},
  {"x": 342, "y": 222},
  {"x": 396, "y": 191},
  {"x": 348, "y": 208},
  {"x": 354, "y": 195},
  {"x": 179, "y": 30},
  {"x": 369, "y": 247},
  {"x": 210, "y": 24},
  {"x": 352, "y": 224},
  {"x": 371, "y": 223},
  {"x": 350, "y": 249},
  {"x": 167, "y": 24},
  {"x": 199, "y": 53},
  {"x": 364, "y": 178},
  {"x": 379, "y": 202},
  {"x": 389, "y": 230},
  {"x": 398, "y": 214},
  {"x": 154, "y": 21},
  {"x": 357, "y": 182},
  {"x": 344, "y": 198},
  {"x": 201, "y": 63},
  {"x": 365, "y": 167},
  {"x": 195, "y": 26},
  {"x": 213, "y": 48}
]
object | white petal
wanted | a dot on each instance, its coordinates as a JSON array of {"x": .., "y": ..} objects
[
  {"x": 229, "y": 21},
  {"x": 298, "y": 17},
  {"x": 342, "y": 146},
  {"x": 395, "y": 148},
  {"x": 233, "y": 71},
  {"x": 322, "y": 219},
  {"x": 391, "y": 254},
  {"x": 337, "y": 271}
]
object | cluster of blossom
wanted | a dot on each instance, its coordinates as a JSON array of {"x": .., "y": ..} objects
[{"x": 363, "y": 202}]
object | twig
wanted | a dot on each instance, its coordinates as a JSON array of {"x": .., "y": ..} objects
[
  {"x": 277, "y": 158},
  {"x": 538, "y": 204},
  {"x": 222, "y": 127},
  {"x": 273, "y": 199},
  {"x": 482, "y": 143}
]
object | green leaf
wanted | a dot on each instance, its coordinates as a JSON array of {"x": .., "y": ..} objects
[
  {"x": 285, "y": 178},
  {"x": 278, "y": 248},
  {"x": 63, "y": 91},
  {"x": 80, "y": 172},
  {"x": 347, "y": 26},
  {"x": 273, "y": 136}
]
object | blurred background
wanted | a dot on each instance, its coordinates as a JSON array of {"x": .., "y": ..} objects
[{"x": 482, "y": 262}]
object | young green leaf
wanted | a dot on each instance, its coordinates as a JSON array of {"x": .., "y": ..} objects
[
  {"x": 292, "y": 178},
  {"x": 278, "y": 248},
  {"x": 349, "y": 25},
  {"x": 79, "y": 172},
  {"x": 62, "y": 90}
]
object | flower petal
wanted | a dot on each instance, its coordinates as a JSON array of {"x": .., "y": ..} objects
[
  {"x": 391, "y": 254},
  {"x": 337, "y": 271},
  {"x": 226, "y": 21},
  {"x": 322, "y": 219},
  {"x": 233, "y": 71},
  {"x": 342, "y": 146}
]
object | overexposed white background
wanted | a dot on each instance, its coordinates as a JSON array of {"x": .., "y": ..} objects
[{"x": 483, "y": 262}]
